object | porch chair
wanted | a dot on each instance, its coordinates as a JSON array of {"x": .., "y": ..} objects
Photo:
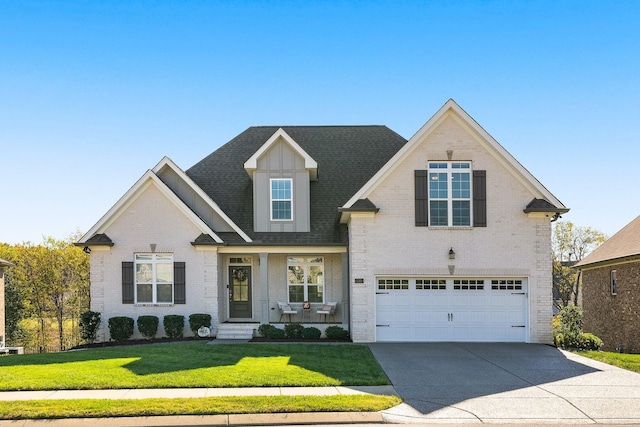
[
  {"x": 286, "y": 309},
  {"x": 328, "y": 309}
]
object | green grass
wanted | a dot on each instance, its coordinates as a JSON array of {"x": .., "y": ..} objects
[
  {"x": 630, "y": 362},
  {"x": 94, "y": 408},
  {"x": 194, "y": 364}
]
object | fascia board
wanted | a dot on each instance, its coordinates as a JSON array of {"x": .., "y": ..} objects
[
  {"x": 499, "y": 152},
  {"x": 149, "y": 178},
  {"x": 402, "y": 154},
  {"x": 166, "y": 161},
  {"x": 504, "y": 157},
  {"x": 309, "y": 164},
  {"x": 297, "y": 250}
]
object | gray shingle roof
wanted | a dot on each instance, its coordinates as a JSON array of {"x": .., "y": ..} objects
[
  {"x": 347, "y": 156},
  {"x": 100, "y": 240},
  {"x": 541, "y": 205},
  {"x": 625, "y": 243}
]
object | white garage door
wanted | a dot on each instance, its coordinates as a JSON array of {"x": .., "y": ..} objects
[{"x": 493, "y": 310}]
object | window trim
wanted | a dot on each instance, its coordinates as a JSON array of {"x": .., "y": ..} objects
[
  {"x": 154, "y": 277},
  {"x": 305, "y": 285},
  {"x": 449, "y": 168},
  {"x": 614, "y": 282},
  {"x": 271, "y": 199}
]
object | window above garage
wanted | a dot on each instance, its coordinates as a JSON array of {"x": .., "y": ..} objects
[{"x": 450, "y": 194}]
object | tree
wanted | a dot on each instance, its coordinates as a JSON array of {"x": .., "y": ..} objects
[
  {"x": 571, "y": 244},
  {"x": 49, "y": 284},
  {"x": 67, "y": 285},
  {"x": 14, "y": 297}
]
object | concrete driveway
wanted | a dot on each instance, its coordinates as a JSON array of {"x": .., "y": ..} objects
[{"x": 505, "y": 383}]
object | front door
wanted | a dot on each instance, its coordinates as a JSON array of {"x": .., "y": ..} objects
[{"x": 240, "y": 291}]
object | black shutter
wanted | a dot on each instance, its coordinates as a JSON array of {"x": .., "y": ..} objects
[
  {"x": 127, "y": 282},
  {"x": 422, "y": 198},
  {"x": 179, "y": 283},
  {"x": 479, "y": 198}
]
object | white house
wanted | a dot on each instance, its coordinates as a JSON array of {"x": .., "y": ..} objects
[{"x": 445, "y": 237}]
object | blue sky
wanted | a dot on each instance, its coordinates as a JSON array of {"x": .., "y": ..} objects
[{"x": 94, "y": 93}]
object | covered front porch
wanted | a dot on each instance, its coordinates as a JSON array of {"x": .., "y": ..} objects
[{"x": 307, "y": 285}]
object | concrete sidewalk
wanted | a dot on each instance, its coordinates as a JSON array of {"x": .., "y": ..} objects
[{"x": 170, "y": 393}]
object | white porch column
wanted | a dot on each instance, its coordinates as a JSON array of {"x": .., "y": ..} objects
[
  {"x": 346, "y": 284},
  {"x": 264, "y": 287}
]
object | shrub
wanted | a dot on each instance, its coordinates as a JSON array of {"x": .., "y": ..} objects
[
  {"x": 263, "y": 329},
  {"x": 173, "y": 325},
  {"x": 589, "y": 342},
  {"x": 120, "y": 328},
  {"x": 198, "y": 320},
  {"x": 89, "y": 325},
  {"x": 558, "y": 340},
  {"x": 275, "y": 333},
  {"x": 570, "y": 320},
  {"x": 311, "y": 333},
  {"x": 293, "y": 330},
  {"x": 336, "y": 333},
  {"x": 148, "y": 326},
  {"x": 581, "y": 341},
  {"x": 567, "y": 331}
]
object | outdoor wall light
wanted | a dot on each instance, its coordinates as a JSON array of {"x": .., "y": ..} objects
[{"x": 452, "y": 254}]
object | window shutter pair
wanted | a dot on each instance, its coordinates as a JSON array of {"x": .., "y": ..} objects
[
  {"x": 179, "y": 283},
  {"x": 479, "y": 198}
]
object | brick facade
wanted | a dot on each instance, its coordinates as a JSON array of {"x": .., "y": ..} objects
[
  {"x": 166, "y": 212},
  {"x": 152, "y": 219},
  {"x": 513, "y": 244},
  {"x": 613, "y": 318}
]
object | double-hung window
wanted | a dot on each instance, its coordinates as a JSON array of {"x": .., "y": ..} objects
[
  {"x": 450, "y": 194},
  {"x": 154, "y": 278},
  {"x": 281, "y": 199},
  {"x": 306, "y": 279}
]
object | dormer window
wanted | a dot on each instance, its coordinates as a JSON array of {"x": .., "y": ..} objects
[
  {"x": 281, "y": 172},
  {"x": 281, "y": 200}
]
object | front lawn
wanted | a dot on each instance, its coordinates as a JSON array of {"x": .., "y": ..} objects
[
  {"x": 194, "y": 364},
  {"x": 103, "y": 408},
  {"x": 630, "y": 362}
]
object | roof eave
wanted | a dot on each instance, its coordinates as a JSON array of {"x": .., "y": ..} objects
[{"x": 605, "y": 262}]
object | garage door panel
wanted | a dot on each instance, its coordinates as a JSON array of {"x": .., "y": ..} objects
[{"x": 452, "y": 310}]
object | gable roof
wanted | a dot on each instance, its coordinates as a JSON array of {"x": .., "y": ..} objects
[
  {"x": 96, "y": 233},
  {"x": 625, "y": 243},
  {"x": 347, "y": 157},
  {"x": 309, "y": 164},
  {"x": 502, "y": 155},
  {"x": 166, "y": 162}
]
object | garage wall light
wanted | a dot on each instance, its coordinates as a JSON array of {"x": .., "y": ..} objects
[{"x": 452, "y": 254}]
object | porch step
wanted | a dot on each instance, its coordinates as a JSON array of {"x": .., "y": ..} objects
[{"x": 236, "y": 331}]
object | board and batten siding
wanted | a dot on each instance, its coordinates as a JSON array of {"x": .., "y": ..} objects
[{"x": 281, "y": 161}]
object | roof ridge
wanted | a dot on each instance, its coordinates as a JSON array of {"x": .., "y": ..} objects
[{"x": 316, "y": 126}]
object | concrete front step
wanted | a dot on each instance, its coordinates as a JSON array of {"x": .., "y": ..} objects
[{"x": 236, "y": 331}]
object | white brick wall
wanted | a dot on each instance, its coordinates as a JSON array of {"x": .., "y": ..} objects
[
  {"x": 152, "y": 218},
  {"x": 512, "y": 241}
]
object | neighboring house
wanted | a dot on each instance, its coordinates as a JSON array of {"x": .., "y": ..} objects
[
  {"x": 3, "y": 265},
  {"x": 611, "y": 290},
  {"x": 444, "y": 237}
]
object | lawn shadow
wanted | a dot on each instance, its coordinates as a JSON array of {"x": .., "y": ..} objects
[{"x": 341, "y": 364}]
